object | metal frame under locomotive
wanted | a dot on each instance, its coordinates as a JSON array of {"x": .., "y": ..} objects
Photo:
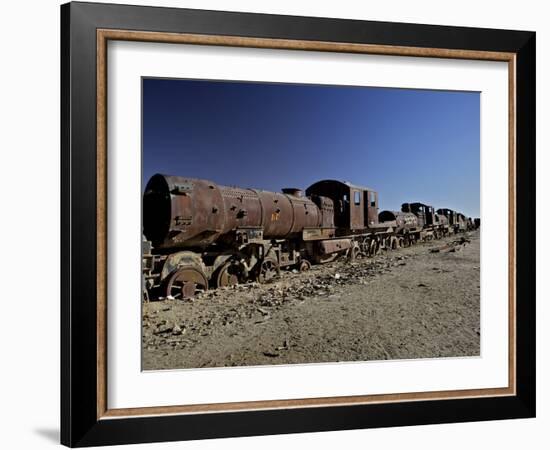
[{"x": 198, "y": 234}]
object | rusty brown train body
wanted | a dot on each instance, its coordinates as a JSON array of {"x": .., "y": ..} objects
[{"x": 198, "y": 234}]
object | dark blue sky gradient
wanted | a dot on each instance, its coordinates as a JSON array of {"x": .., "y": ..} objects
[{"x": 409, "y": 145}]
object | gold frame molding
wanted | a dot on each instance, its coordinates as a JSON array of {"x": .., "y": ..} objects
[{"x": 104, "y": 35}]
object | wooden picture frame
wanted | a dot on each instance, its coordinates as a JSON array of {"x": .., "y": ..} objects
[{"x": 86, "y": 418}]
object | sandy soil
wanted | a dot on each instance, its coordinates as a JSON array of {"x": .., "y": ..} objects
[{"x": 409, "y": 303}]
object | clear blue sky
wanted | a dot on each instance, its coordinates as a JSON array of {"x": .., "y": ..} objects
[{"x": 409, "y": 145}]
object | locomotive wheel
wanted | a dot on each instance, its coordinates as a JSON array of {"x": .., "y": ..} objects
[
  {"x": 186, "y": 282},
  {"x": 268, "y": 270},
  {"x": 354, "y": 252},
  {"x": 365, "y": 250},
  {"x": 227, "y": 275},
  {"x": 374, "y": 248},
  {"x": 304, "y": 265}
]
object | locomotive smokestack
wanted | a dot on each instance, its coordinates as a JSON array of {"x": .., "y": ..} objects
[{"x": 295, "y": 192}]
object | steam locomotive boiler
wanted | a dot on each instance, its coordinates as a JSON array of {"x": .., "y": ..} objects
[{"x": 198, "y": 234}]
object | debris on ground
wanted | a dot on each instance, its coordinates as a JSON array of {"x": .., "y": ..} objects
[{"x": 408, "y": 303}]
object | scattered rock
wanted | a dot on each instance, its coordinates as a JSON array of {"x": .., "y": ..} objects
[
  {"x": 285, "y": 346},
  {"x": 260, "y": 322},
  {"x": 163, "y": 328},
  {"x": 326, "y": 287},
  {"x": 177, "y": 330}
]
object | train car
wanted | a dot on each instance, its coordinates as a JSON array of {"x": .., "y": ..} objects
[
  {"x": 451, "y": 217},
  {"x": 443, "y": 223},
  {"x": 198, "y": 234},
  {"x": 355, "y": 220},
  {"x": 405, "y": 222},
  {"x": 355, "y": 207},
  {"x": 433, "y": 225},
  {"x": 206, "y": 234},
  {"x": 461, "y": 223},
  {"x": 203, "y": 234}
]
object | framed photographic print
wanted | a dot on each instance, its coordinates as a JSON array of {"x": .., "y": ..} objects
[{"x": 276, "y": 224}]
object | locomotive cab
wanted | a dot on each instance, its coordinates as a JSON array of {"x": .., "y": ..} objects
[
  {"x": 425, "y": 213},
  {"x": 355, "y": 207},
  {"x": 449, "y": 214}
]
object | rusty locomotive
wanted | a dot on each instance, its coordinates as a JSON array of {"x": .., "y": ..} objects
[{"x": 198, "y": 234}]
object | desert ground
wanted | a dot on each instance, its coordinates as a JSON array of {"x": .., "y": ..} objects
[{"x": 414, "y": 302}]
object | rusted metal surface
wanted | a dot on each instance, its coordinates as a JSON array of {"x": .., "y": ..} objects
[
  {"x": 449, "y": 214},
  {"x": 182, "y": 212},
  {"x": 316, "y": 234},
  {"x": 227, "y": 275},
  {"x": 185, "y": 282},
  {"x": 199, "y": 234},
  {"x": 333, "y": 246},
  {"x": 441, "y": 220},
  {"x": 424, "y": 213},
  {"x": 180, "y": 259},
  {"x": 305, "y": 214},
  {"x": 462, "y": 222},
  {"x": 146, "y": 256},
  {"x": 458, "y": 222},
  {"x": 147, "y": 267},
  {"x": 404, "y": 221},
  {"x": 326, "y": 210},
  {"x": 355, "y": 207},
  {"x": 186, "y": 213},
  {"x": 241, "y": 209}
]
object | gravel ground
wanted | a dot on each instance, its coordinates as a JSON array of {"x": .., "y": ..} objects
[{"x": 404, "y": 304}]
